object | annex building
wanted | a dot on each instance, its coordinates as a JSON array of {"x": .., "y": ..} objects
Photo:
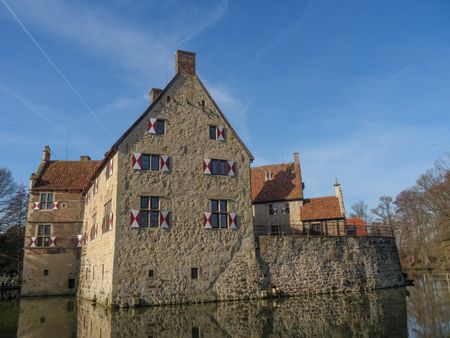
[{"x": 174, "y": 213}]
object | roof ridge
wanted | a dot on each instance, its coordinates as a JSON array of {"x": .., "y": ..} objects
[{"x": 270, "y": 165}]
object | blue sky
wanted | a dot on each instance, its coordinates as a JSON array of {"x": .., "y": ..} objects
[{"x": 359, "y": 88}]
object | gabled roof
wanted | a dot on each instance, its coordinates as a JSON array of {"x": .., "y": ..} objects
[
  {"x": 115, "y": 146},
  {"x": 285, "y": 183},
  {"x": 66, "y": 175},
  {"x": 321, "y": 208}
]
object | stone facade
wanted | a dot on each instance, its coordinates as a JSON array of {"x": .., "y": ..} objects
[
  {"x": 295, "y": 265},
  {"x": 225, "y": 258}
]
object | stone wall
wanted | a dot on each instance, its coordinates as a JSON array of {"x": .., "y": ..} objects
[
  {"x": 225, "y": 257},
  {"x": 319, "y": 264},
  {"x": 97, "y": 256}
]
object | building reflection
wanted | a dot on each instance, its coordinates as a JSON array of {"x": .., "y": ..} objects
[{"x": 381, "y": 313}]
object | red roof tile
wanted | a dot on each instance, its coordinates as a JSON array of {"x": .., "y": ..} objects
[
  {"x": 66, "y": 175},
  {"x": 321, "y": 208},
  {"x": 286, "y": 183}
]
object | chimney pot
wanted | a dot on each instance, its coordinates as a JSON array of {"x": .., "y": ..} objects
[
  {"x": 154, "y": 93},
  {"x": 46, "y": 154},
  {"x": 85, "y": 158},
  {"x": 184, "y": 62},
  {"x": 296, "y": 158}
]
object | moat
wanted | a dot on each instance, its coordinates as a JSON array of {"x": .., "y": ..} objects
[{"x": 419, "y": 311}]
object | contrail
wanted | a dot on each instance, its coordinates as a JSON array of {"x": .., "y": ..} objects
[{"x": 77, "y": 94}]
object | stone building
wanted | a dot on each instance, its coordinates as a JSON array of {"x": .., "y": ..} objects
[
  {"x": 279, "y": 205},
  {"x": 168, "y": 215},
  {"x": 55, "y": 218},
  {"x": 174, "y": 214}
]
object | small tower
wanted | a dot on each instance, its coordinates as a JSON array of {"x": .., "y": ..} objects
[{"x": 340, "y": 197}]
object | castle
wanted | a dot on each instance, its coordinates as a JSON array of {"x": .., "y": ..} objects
[{"x": 174, "y": 214}]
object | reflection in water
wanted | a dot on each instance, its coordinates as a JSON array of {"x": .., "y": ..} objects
[
  {"x": 425, "y": 313},
  {"x": 381, "y": 313},
  {"x": 429, "y": 305}
]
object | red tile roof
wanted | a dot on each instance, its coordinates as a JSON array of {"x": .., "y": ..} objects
[
  {"x": 66, "y": 175},
  {"x": 321, "y": 208},
  {"x": 286, "y": 183}
]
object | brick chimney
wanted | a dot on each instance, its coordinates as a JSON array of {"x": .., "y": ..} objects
[
  {"x": 46, "y": 155},
  {"x": 154, "y": 93},
  {"x": 296, "y": 158},
  {"x": 184, "y": 62}
]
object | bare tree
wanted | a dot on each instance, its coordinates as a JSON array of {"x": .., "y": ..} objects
[{"x": 361, "y": 210}]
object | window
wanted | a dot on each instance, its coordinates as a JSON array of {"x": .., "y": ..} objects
[
  {"x": 219, "y": 167},
  {"x": 106, "y": 215},
  {"x": 47, "y": 201},
  {"x": 195, "y": 332},
  {"x": 150, "y": 162},
  {"x": 94, "y": 227},
  {"x": 212, "y": 133},
  {"x": 149, "y": 211},
  {"x": 219, "y": 213},
  {"x": 109, "y": 169},
  {"x": 286, "y": 210},
  {"x": 43, "y": 237},
  {"x": 159, "y": 127},
  {"x": 151, "y": 273},
  {"x": 267, "y": 176},
  {"x": 46, "y": 272},
  {"x": 71, "y": 283},
  {"x": 194, "y": 273}
]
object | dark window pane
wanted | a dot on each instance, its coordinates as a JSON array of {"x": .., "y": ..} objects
[
  {"x": 223, "y": 220},
  {"x": 47, "y": 230},
  {"x": 154, "y": 203},
  {"x": 155, "y": 162},
  {"x": 43, "y": 197},
  {"x": 214, "y": 167},
  {"x": 215, "y": 220},
  {"x": 214, "y": 205},
  {"x": 144, "y": 202},
  {"x": 223, "y": 205},
  {"x": 143, "y": 215},
  {"x": 49, "y": 205},
  {"x": 41, "y": 230},
  {"x": 223, "y": 167},
  {"x": 212, "y": 132},
  {"x": 160, "y": 127},
  {"x": 154, "y": 218},
  {"x": 145, "y": 162},
  {"x": 195, "y": 332},
  {"x": 50, "y": 198},
  {"x": 40, "y": 241},
  {"x": 71, "y": 286},
  {"x": 194, "y": 273},
  {"x": 46, "y": 241}
]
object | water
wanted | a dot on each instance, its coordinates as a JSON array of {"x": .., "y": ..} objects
[{"x": 419, "y": 311}]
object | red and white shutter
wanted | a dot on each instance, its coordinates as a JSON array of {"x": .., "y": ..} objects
[
  {"x": 80, "y": 241},
  {"x": 164, "y": 219},
  {"x": 134, "y": 218},
  {"x": 207, "y": 166},
  {"x": 220, "y": 131},
  {"x": 231, "y": 168},
  {"x": 207, "y": 220},
  {"x": 37, "y": 205},
  {"x": 151, "y": 125},
  {"x": 232, "y": 220},
  {"x": 33, "y": 241},
  {"x": 136, "y": 161},
  {"x": 55, "y": 206},
  {"x": 52, "y": 241},
  {"x": 110, "y": 222},
  {"x": 164, "y": 162}
]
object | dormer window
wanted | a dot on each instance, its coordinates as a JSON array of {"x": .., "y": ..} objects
[{"x": 267, "y": 176}]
